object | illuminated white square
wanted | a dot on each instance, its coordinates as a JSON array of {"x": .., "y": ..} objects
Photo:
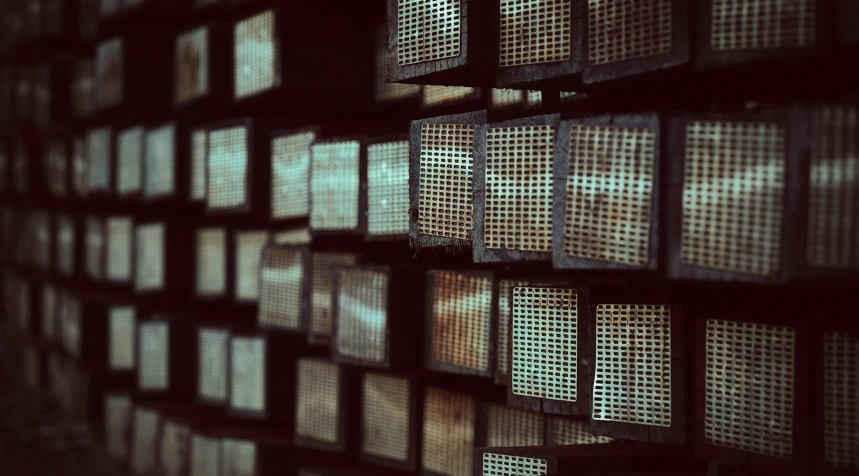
[
  {"x": 123, "y": 345},
  {"x": 160, "y": 161},
  {"x": 199, "y": 139},
  {"x": 227, "y": 168},
  {"x": 149, "y": 257},
  {"x": 247, "y": 374},
  {"x": 129, "y": 150},
  {"x": 213, "y": 365},
  {"x": 255, "y": 53},
  {"x": 334, "y": 185},
  {"x": 249, "y": 246},
  {"x": 153, "y": 372},
  {"x": 119, "y": 247},
  {"x": 98, "y": 145}
]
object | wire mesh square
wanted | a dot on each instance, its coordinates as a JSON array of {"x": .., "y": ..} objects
[
  {"x": 507, "y": 97},
  {"x": 281, "y": 287},
  {"x": 160, "y": 162},
  {"x": 249, "y": 246},
  {"x": 146, "y": 429},
  {"x": 535, "y": 32},
  {"x": 428, "y": 31},
  {"x": 362, "y": 315},
  {"x": 211, "y": 270},
  {"x": 449, "y": 429},
  {"x": 317, "y": 412},
  {"x": 566, "y": 431},
  {"x": 840, "y": 406},
  {"x": 117, "y": 423},
  {"x": 461, "y": 320},
  {"x": 297, "y": 236},
  {"x": 199, "y": 140},
  {"x": 123, "y": 337},
  {"x": 56, "y": 167},
  {"x": 619, "y": 31},
  {"x": 119, "y": 231},
  {"x": 192, "y": 64},
  {"x": 320, "y": 292},
  {"x": 175, "y": 448},
  {"x": 149, "y": 243},
  {"x": 205, "y": 456},
  {"x": 507, "y": 426},
  {"x": 762, "y": 24},
  {"x": 95, "y": 244},
  {"x": 153, "y": 356},
  {"x": 386, "y": 425},
  {"x": 213, "y": 366},
  {"x": 439, "y": 95},
  {"x": 290, "y": 174},
  {"x": 109, "y": 73},
  {"x": 248, "y": 374},
  {"x": 227, "y": 168},
  {"x": 239, "y": 457},
  {"x": 384, "y": 91},
  {"x": 335, "y": 185},
  {"x": 502, "y": 465},
  {"x": 129, "y": 151},
  {"x": 255, "y": 55},
  {"x": 98, "y": 145},
  {"x": 388, "y": 188}
]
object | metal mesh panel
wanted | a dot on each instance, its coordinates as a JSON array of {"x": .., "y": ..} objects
[
  {"x": 428, "y": 30},
  {"x": 388, "y": 188},
  {"x": 507, "y": 97},
  {"x": 461, "y": 318},
  {"x": 117, "y": 410},
  {"x": 317, "y": 411},
  {"x": 609, "y": 194},
  {"x": 760, "y": 24},
  {"x": 320, "y": 291},
  {"x": 632, "y": 374},
  {"x": 511, "y": 427},
  {"x": 149, "y": 257},
  {"x": 146, "y": 423},
  {"x": 109, "y": 73},
  {"x": 281, "y": 280},
  {"x": 80, "y": 167},
  {"x": 385, "y": 92},
  {"x": 449, "y": 432},
  {"x": 619, "y": 30},
  {"x": 334, "y": 185},
  {"x": 94, "y": 248},
  {"x": 65, "y": 244},
  {"x": 212, "y": 364},
  {"x": 192, "y": 64},
  {"x": 160, "y": 157},
  {"x": 385, "y": 424},
  {"x": 290, "y": 167},
  {"x": 211, "y": 276},
  {"x": 247, "y": 373},
  {"x": 239, "y": 457},
  {"x": 362, "y": 315},
  {"x": 566, "y": 431},
  {"x": 445, "y": 180},
  {"x": 249, "y": 246},
  {"x": 154, "y": 356},
  {"x": 123, "y": 337},
  {"x": 199, "y": 138},
  {"x": 749, "y": 389},
  {"x": 227, "y": 168},
  {"x": 535, "y": 32},
  {"x": 726, "y": 226},
  {"x": 438, "y": 95},
  {"x": 507, "y": 465},
  {"x": 255, "y": 53},
  {"x": 840, "y": 401},
  {"x": 98, "y": 144},
  {"x": 205, "y": 456},
  {"x": 175, "y": 448},
  {"x": 56, "y": 165},
  {"x": 119, "y": 247},
  {"x": 505, "y": 315},
  {"x": 534, "y": 98},
  {"x": 49, "y": 312},
  {"x": 298, "y": 236},
  {"x": 83, "y": 87},
  {"x": 545, "y": 343}
]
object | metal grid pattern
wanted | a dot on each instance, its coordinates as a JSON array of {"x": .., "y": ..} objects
[
  {"x": 247, "y": 373},
  {"x": 281, "y": 281},
  {"x": 249, "y": 246},
  {"x": 255, "y": 54},
  {"x": 566, "y": 431},
  {"x": 192, "y": 64},
  {"x": 505, "y": 316},
  {"x": 428, "y": 30},
  {"x": 98, "y": 144},
  {"x": 461, "y": 318},
  {"x": 388, "y": 188},
  {"x": 507, "y": 465},
  {"x": 438, "y": 95},
  {"x": 749, "y": 390},
  {"x": 94, "y": 247},
  {"x": 334, "y": 185},
  {"x": 117, "y": 422},
  {"x": 507, "y": 426},
  {"x": 129, "y": 158},
  {"x": 175, "y": 448},
  {"x": 445, "y": 180},
  {"x": 632, "y": 373},
  {"x": 159, "y": 159},
  {"x": 205, "y": 456},
  {"x": 507, "y": 97},
  {"x": 620, "y": 30},
  {"x": 833, "y": 194},
  {"x": 317, "y": 411},
  {"x": 143, "y": 452},
  {"x": 545, "y": 343},
  {"x": 726, "y": 226},
  {"x": 211, "y": 272},
  {"x": 227, "y": 168},
  {"x": 290, "y": 174},
  {"x": 119, "y": 237},
  {"x": 153, "y": 356},
  {"x": 65, "y": 244},
  {"x": 762, "y": 24},
  {"x": 535, "y": 32},
  {"x": 49, "y": 312},
  {"x": 296, "y": 236},
  {"x": 385, "y": 424},
  {"x": 213, "y": 365},
  {"x": 840, "y": 401},
  {"x": 149, "y": 257},
  {"x": 362, "y": 315},
  {"x": 123, "y": 337},
  {"x": 384, "y": 91},
  {"x": 519, "y": 188},
  {"x": 199, "y": 139},
  {"x": 609, "y": 194},
  {"x": 320, "y": 290},
  {"x": 56, "y": 167},
  {"x": 239, "y": 457},
  {"x": 109, "y": 77},
  {"x": 449, "y": 432}
]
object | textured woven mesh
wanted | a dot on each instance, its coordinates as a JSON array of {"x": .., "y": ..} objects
[
  {"x": 153, "y": 356},
  {"x": 385, "y": 424},
  {"x": 123, "y": 337},
  {"x": 566, "y": 431},
  {"x": 199, "y": 139},
  {"x": 192, "y": 64},
  {"x": 619, "y": 30},
  {"x": 438, "y": 95},
  {"x": 65, "y": 244},
  {"x": 212, "y": 363},
  {"x": 98, "y": 144},
  {"x": 249, "y": 246},
  {"x": 507, "y": 97},
  {"x": 388, "y": 188},
  {"x": 129, "y": 155},
  {"x": 428, "y": 30},
  {"x": 461, "y": 318},
  {"x": 507, "y": 426},
  {"x": 841, "y": 401},
  {"x": 505, "y": 315},
  {"x": 119, "y": 239},
  {"x": 205, "y": 456},
  {"x": 247, "y": 373},
  {"x": 160, "y": 162},
  {"x": 320, "y": 291},
  {"x": 334, "y": 185},
  {"x": 117, "y": 420},
  {"x": 362, "y": 315},
  {"x": 149, "y": 242},
  {"x": 445, "y": 180},
  {"x": 94, "y": 248},
  {"x": 175, "y": 448},
  {"x": 56, "y": 167},
  {"x": 762, "y": 24},
  {"x": 385, "y": 92},
  {"x": 507, "y": 465},
  {"x": 239, "y": 457},
  {"x": 211, "y": 275},
  {"x": 281, "y": 281},
  {"x": 449, "y": 433},
  {"x": 317, "y": 411},
  {"x": 109, "y": 74},
  {"x": 290, "y": 174},
  {"x": 227, "y": 168},
  {"x": 144, "y": 446},
  {"x": 535, "y": 31},
  {"x": 255, "y": 55}
]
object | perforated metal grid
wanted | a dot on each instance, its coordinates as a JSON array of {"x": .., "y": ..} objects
[
  {"x": 109, "y": 77},
  {"x": 83, "y": 84},
  {"x": 213, "y": 365},
  {"x": 65, "y": 244},
  {"x": 633, "y": 371},
  {"x": 227, "y": 168},
  {"x": 449, "y": 432},
  {"x": 320, "y": 291},
  {"x": 159, "y": 160},
  {"x": 519, "y": 188},
  {"x": 461, "y": 319},
  {"x": 149, "y": 257},
  {"x": 98, "y": 144},
  {"x": 727, "y": 226},
  {"x": 438, "y": 95},
  {"x": 840, "y": 401},
  {"x": 192, "y": 64},
  {"x": 619, "y": 30},
  {"x": 384, "y": 91},
  {"x": 388, "y": 188},
  {"x": 506, "y": 465},
  {"x": 385, "y": 424},
  {"x": 117, "y": 423},
  {"x": 296, "y": 236},
  {"x": 445, "y": 180},
  {"x": 545, "y": 343},
  {"x": 119, "y": 247},
  {"x": 249, "y": 246},
  {"x": 507, "y": 97},
  {"x": 199, "y": 139},
  {"x": 56, "y": 167},
  {"x": 334, "y": 185},
  {"x": 205, "y": 456},
  {"x": 428, "y": 31},
  {"x": 239, "y": 457},
  {"x": 762, "y": 24},
  {"x": 247, "y": 373},
  {"x": 123, "y": 337},
  {"x": 317, "y": 412},
  {"x": 505, "y": 315},
  {"x": 175, "y": 448},
  {"x": 281, "y": 280},
  {"x": 609, "y": 194},
  {"x": 255, "y": 54},
  {"x": 535, "y": 32},
  {"x": 94, "y": 247},
  {"x": 565, "y": 431},
  {"x": 49, "y": 312},
  {"x": 749, "y": 393},
  {"x": 153, "y": 356},
  {"x": 290, "y": 167},
  {"x": 146, "y": 425},
  {"x": 211, "y": 275},
  {"x": 362, "y": 315},
  {"x": 507, "y": 426}
]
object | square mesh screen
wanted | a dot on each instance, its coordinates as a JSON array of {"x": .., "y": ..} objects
[
  {"x": 160, "y": 158},
  {"x": 506, "y": 465},
  {"x": 632, "y": 373},
  {"x": 65, "y": 244},
  {"x": 255, "y": 55},
  {"x": 362, "y": 315},
  {"x": 438, "y": 95},
  {"x": 154, "y": 356},
  {"x": 840, "y": 401},
  {"x": 146, "y": 423},
  {"x": 384, "y": 91},
  {"x": 98, "y": 144},
  {"x": 239, "y": 457},
  {"x": 175, "y": 448},
  {"x": 428, "y": 30},
  {"x": 123, "y": 337},
  {"x": 609, "y": 194},
  {"x": 290, "y": 174},
  {"x": 95, "y": 248},
  {"x": 449, "y": 432},
  {"x": 205, "y": 456},
  {"x": 317, "y": 410},
  {"x": 227, "y": 168},
  {"x": 119, "y": 247},
  {"x": 535, "y": 32},
  {"x": 749, "y": 391},
  {"x": 247, "y": 373},
  {"x": 334, "y": 185},
  {"x": 211, "y": 272},
  {"x": 192, "y": 64},
  {"x": 507, "y": 97},
  {"x": 620, "y": 30},
  {"x": 297, "y": 236},
  {"x": 320, "y": 291},
  {"x": 445, "y": 180},
  {"x": 149, "y": 243},
  {"x": 281, "y": 282},
  {"x": 49, "y": 311},
  {"x": 212, "y": 364},
  {"x": 199, "y": 139},
  {"x": 762, "y": 24},
  {"x": 83, "y": 87},
  {"x": 545, "y": 343},
  {"x": 117, "y": 420},
  {"x": 388, "y": 188},
  {"x": 385, "y": 424},
  {"x": 461, "y": 319},
  {"x": 249, "y": 246},
  {"x": 733, "y": 189},
  {"x": 109, "y": 77},
  {"x": 56, "y": 167},
  {"x": 507, "y": 426},
  {"x": 519, "y": 188},
  {"x": 566, "y": 431}
]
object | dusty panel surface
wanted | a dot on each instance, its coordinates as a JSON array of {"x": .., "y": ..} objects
[
  {"x": 362, "y": 318},
  {"x": 762, "y": 24},
  {"x": 192, "y": 64},
  {"x": 249, "y": 246},
  {"x": 507, "y": 465},
  {"x": 227, "y": 168},
  {"x": 290, "y": 172},
  {"x": 154, "y": 356},
  {"x": 448, "y": 432},
  {"x": 388, "y": 188},
  {"x": 507, "y": 426},
  {"x": 149, "y": 253},
  {"x": 334, "y": 185},
  {"x": 461, "y": 319},
  {"x": 620, "y": 30},
  {"x": 123, "y": 337},
  {"x": 428, "y": 31},
  {"x": 281, "y": 281},
  {"x": 534, "y": 32},
  {"x": 213, "y": 350},
  {"x": 318, "y": 401},
  {"x": 211, "y": 272},
  {"x": 386, "y": 408},
  {"x": 247, "y": 374},
  {"x": 320, "y": 291},
  {"x": 255, "y": 50}
]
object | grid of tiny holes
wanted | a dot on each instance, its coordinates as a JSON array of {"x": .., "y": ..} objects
[
  {"x": 388, "y": 188},
  {"x": 119, "y": 247},
  {"x": 507, "y": 465},
  {"x": 199, "y": 138},
  {"x": 449, "y": 432},
  {"x": 123, "y": 326},
  {"x": 192, "y": 64},
  {"x": 519, "y": 188},
  {"x": 507, "y": 97},
  {"x": 239, "y": 457},
  {"x": 760, "y": 24},
  {"x": 318, "y": 407},
  {"x": 732, "y": 196},
  {"x": 446, "y": 174},
  {"x": 461, "y": 315},
  {"x": 249, "y": 246},
  {"x": 159, "y": 179},
  {"x": 437, "y": 95},
  {"x": 535, "y": 32},
  {"x": 841, "y": 401},
  {"x": 385, "y": 423},
  {"x": 632, "y": 374},
  {"x": 833, "y": 194},
  {"x": 362, "y": 316},
  {"x": 505, "y": 314},
  {"x": 227, "y": 168},
  {"x": 153, "y": 357},
  {"x": 749, "y": 389},
  {"x": 212, "y": 378},
  {"x": 389, "y": 91},
  {"x": 320, "y": 291},
  {"x": 98, "y": 166},
  {"x": 109, "y": 73},
  {"x": 609, "y": 194},
  {"x": 428, "y": 30},
  {"x": 511, "y": 427},
  {"x": 281, "y": 283},
  {"x": 94, "y": 247},
  {"x": 566, "y": 431},
  {"x": 79, "y": 167},
  {"x": 290, "y": 167},
  {"x": 174, "y": 448},
  {"x": 149, "y": 257},
  {"x": 619, "y": 30},
  {"x": 211, "y": 276},
  {"x": 545, "y": 343},
  {"x": 247, "y": 373},
  {"x": 334, "y": 185},
  {"x": 130, "y": 159},
  {"x": 145, "y": 437},
  {"x": 205, "y": 456},
  {"x": 255, "y": 50},
  {"x": 65, "y": 244},
  {"x": 117, "y": 419}
]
